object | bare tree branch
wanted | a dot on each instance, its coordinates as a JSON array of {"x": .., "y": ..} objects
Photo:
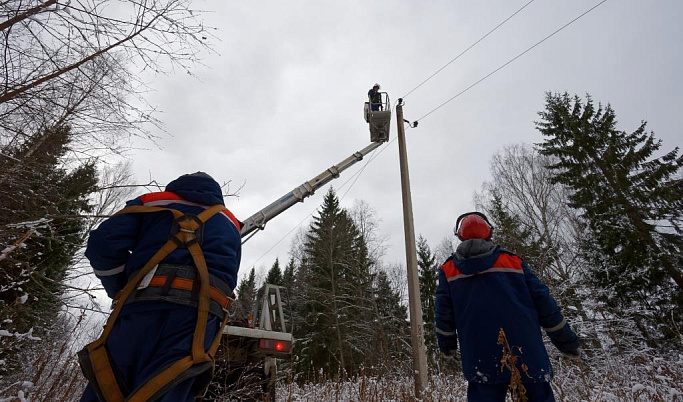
[{"x": 20, "y": 16}]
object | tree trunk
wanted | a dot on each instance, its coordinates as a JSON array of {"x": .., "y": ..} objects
[{"x": 342, "y": 369}]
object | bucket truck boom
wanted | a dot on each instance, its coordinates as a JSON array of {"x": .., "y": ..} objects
[{"x": 258, "y": 220}]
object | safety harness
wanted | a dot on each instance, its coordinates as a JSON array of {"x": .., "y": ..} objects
[{"x": 94, "y": 358}]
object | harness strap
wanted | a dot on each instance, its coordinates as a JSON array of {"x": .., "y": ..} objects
[
  {"x": 96, "y": 365},
  {"x": 198, "y": 353},
  {"x": 217, "y": 340},
  {"x": 154, "y": 384},
  {"x": 184, "y": 237},
  {"x": 160, "y": 281}
]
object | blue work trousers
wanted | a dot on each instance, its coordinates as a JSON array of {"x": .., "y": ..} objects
[{"x": 143, "y": 342}]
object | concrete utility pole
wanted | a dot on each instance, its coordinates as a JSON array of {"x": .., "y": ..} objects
[{"x": 416, "y": 327}]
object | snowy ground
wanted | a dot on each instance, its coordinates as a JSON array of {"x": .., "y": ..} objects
[
  {"x": 639, "y": 376},
  {"x": 654, "y": 379}
]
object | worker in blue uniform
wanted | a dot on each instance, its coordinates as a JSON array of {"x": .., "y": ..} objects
[
  {"x": 483, "y": 288},
  {"x": 156, "y": 325},
  {"x": 375, "y": 98}
]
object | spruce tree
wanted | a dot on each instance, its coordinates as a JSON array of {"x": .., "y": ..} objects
[
  {"x": 631, "y": 201},
  {"x": 42, "y": 227},
  {"x": 357, "y": 303},
  {"x": 321, "y": 335},
  {"x": 43, "y": 203},
  {"x": 305, "y": 329},
  {"x": 336, "y": 318},
  {"x": 391, "y": 335},
  {"x": 289, "y": 274},
  {"x": 429, "y": 279},
  {"x": 290, "y": 293},
  {"x": 274, "y": 276},
  {"x": 246, "y": 297}
]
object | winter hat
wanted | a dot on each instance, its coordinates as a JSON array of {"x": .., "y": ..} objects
[{"x": 197, "y": 187}]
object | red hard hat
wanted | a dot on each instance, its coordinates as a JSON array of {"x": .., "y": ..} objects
[{"x": 473, "y": 225}]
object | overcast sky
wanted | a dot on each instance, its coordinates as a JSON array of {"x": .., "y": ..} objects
[{"x": 283, "y": 98}]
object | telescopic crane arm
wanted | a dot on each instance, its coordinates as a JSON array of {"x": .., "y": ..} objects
[{"x": 259, "y": 219}]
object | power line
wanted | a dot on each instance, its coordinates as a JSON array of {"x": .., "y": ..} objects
[
  {"x": 513, "y": 59},
  {"x": 471, "y": 46},
  {"x": 372, "y": 157}
]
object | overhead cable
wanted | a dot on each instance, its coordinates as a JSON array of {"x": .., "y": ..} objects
[
  {"x": 513, "y": 59},
  {"x": 471, "y": 46}
]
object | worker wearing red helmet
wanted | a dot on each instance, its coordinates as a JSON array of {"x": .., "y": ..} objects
[{"x": 483, "y": 288}]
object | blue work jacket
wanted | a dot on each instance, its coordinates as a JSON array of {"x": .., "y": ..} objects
[
  {"x": 481, "y": 294},
  {"x": 124, "y": 243}
]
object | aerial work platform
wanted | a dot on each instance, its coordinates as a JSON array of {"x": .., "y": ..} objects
[{"x": 378, "y": 116}]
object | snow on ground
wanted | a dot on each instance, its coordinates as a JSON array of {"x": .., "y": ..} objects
[{"x": 612, "y": 380}]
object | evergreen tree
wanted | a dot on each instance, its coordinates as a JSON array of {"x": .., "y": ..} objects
[
  {"x": 391, "y": 339},
  {"x": 304, "y": 322},
  {"x": 357, "y": 303},
  {"x": 41, "y": 206},
  {"x": 246, "y": 297},
  {"x": 429, "y": 279},
  {"x": 289, "y": 292},
  {"x": 337, "y": 317},
  {"x": 630, "y": 200},
  {"x": 289, "y": 274},
  {"x": 511, "y": 234},
  {"x": 274, "y": 276}
]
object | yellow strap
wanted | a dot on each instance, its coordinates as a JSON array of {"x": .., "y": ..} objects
[
  {"x": 106, "y": 380},
  {"x": 209, "y": 212},
  {"x": 99, "y": 358},
  {"x": 217, "y": 339},
  {"x": 154, "y": 384},
  {"x": 198, "y": 355},
  {"x": 164, "y": 251}
]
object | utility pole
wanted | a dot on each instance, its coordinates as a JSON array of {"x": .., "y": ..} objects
[{"x": 415, "y": 306}]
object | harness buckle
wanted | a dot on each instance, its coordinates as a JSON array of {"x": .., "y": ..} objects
[
  {"x": 182, "y": 232},
  {"x": 230, "y": 302}
]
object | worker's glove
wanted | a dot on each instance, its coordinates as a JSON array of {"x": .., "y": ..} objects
[{"x": 573, "y": 354}]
